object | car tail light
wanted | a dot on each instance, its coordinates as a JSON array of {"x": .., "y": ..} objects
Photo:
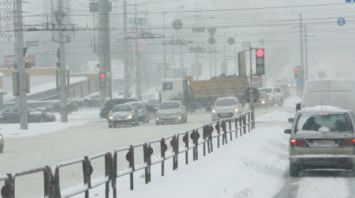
[
  {"x": 348, "y": 142},
  {"x": 297, "y": 142}
]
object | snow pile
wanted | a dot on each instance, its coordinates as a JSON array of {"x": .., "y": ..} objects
[
  {"x": 251, "y": 167},
  {"x": 275, "y": 116}
]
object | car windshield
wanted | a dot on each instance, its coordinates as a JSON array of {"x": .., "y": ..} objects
[
  {"x": 170, "y": 105},
  {"x": 225, "y": 102},
  {"x": 122, "y": 108},
  {"x": 325, "y": 122},
  {"x": 266, "y": 90}
]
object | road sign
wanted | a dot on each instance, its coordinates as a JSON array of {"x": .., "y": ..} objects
[{"x": 341, "y": 21}]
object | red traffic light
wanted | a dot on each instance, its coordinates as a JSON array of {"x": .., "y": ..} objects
[
  {"x": 260, "y": 52},
  {"x": 102, "y": 75},
  {"x": 296, "y": 69}
]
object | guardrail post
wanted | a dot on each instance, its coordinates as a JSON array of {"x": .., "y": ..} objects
[
  {"x": 195, "y": 136},
  {"x": 87, "y": 171},
  {"x": 8, "y": 190},
  {"x": 147, "y": 153},
  {"x": 241, "y": 125},
  {"x": 218, "y": 129},
  {"x": 230, "y": 130},
  {"x": 185, "y": 139},
  {"x": 108, "y": 173},
  {"x": 56, "y": 183},
  {"x": 224, "y": 136},
  {"x": 204, "y": 136},
  {"x": 48, "y": 182},
  {"x": 236, "y": 127},
  {"x": 252, "y": 119},
  {"x": 249, "y": 122},
  {"x": 114, "y": 175},
  {"x": 244, "y": 124},
  {"x": 175, "y": 146},
  {"x": 210, "y": 138},
  {"x": 163, "y": 149},
  {"x": 130, "y": 159}
]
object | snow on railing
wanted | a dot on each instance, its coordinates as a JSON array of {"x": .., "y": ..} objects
[{"x": 142, "y": 157}]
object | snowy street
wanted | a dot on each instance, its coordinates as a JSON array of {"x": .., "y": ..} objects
[{"x": 262, "y": 171}]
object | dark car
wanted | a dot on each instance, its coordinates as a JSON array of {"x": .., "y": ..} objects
[
  {"x": 108, "y": 105},
  {"x": 121, "y": 115},
  {"x": 12, "y": 115}
]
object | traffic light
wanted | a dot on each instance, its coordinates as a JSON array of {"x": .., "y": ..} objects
[
  {"x": 297, "y": 71},
  {"x": 260, "y": 61},
  {"x": 102, "y": 78}
]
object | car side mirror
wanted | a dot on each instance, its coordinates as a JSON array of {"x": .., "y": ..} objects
[
  {"x": 291, "y": 120},
  {"x": 287, "y": 131},
  {"x": 298, "y": 106}
]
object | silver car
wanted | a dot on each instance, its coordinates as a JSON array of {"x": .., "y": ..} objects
[
  {"x": 226, "y": 107},
  {"x": 1, "y": 143},
  {"x": 171, "y": 112},
  {"x": 122, "y": 115},
  {"x": 321, "y": 139}
]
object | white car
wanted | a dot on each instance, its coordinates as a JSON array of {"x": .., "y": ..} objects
[
  {"x": 321, "y": 137},
  {"x": 171, "y": 112},
  {"x": 226, "y": 107},
  {"x": 1, "y": 143},
  {"x": 275, "y": 93}
]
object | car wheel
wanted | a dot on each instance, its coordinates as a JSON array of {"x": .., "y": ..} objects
[
  {"x": 2, "y": 149},
  {"x": 294, "y": 170},
  {"x": 110, "y": 125},
  {"x": 41, "y": 120}
]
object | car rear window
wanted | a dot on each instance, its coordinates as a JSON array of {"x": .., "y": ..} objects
[{"x": 325, "y": 122}]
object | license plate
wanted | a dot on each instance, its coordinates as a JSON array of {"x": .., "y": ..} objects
[{"x": 324, "y": 142}]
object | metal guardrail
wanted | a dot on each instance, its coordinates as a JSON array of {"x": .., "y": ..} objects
[{"x": 153, "y": 153}]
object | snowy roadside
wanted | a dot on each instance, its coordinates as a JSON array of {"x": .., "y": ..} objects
[
  {"x": 251, "y": 167},
  {"x": 76, "y": 119}
]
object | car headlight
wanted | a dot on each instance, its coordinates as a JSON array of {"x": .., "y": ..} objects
[
  {"x": 157, "y": 118},
  {"x": 130, "y": 117},
  {"x": 263, "y": 102},
  {"x": 0, "y": 137},
  {"x": 213, "y": 110},
  {"x": 179, "y": 117},
  {"x": 110, "y": 117},
  {"x": 236, "y": 110}
]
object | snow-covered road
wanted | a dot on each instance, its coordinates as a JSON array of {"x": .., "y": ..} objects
[{"x": 255, "y": 166}]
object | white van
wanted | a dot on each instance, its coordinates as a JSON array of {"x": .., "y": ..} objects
[{"x": 340, "y": 93}]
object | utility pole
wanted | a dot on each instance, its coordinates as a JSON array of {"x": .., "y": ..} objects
[
  {"x": 127, "y": 69},
  {"x": 164, "y": 46},
  {"x": 136, "y": 55},
  {"x": 21, "y": 77},
  {"x": 62, "y": 62},
  {"x": 105, "y": 49},
  {"x": 306, "y": 51},
  {"x": 302, "y": 76}
]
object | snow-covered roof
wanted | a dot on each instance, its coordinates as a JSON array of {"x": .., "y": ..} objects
[{"x": 324, "y": 109}]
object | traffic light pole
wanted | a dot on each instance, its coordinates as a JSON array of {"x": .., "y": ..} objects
[
  {"x": 251, "y": 90},
  {"x": 19, "y": 51}
]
